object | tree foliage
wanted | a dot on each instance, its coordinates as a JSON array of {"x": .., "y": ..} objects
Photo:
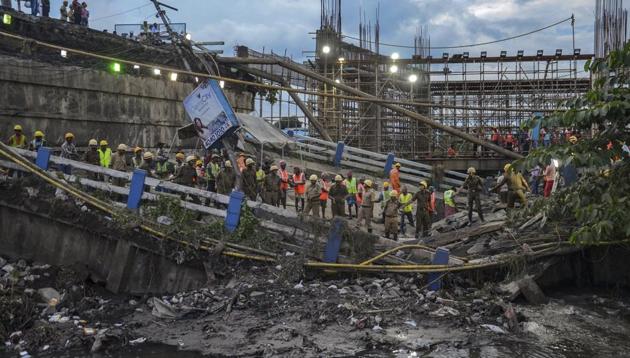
[{"x": 599, "y": 203}]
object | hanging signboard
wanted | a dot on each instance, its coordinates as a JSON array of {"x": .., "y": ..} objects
[{"x": 211, "y": 114}]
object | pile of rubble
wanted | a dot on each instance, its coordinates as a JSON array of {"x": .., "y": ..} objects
[{"x": 36, "y": 318}]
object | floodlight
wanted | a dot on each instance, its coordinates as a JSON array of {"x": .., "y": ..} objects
[
  {"x": 413, "y": 78},
  {"x": 173, "y": 76},
  {"x": 156, "y": 71},
  {"x": 326, "y": 49},
  {"x": 393, "y": 69},
  {"x": 64, "y": 53},
  {"x": 395, "y": 56}
]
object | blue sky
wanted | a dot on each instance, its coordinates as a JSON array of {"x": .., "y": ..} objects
[{"x": 285, "y": 24}]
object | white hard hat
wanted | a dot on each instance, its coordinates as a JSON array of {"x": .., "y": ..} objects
[
  {"x": 122, "y": 147},
  {"x": 313, "y": 177},
  {"x": 191, "y": 158}
]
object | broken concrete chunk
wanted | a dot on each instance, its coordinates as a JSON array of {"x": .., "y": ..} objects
[{"x": 532, "y": 292}]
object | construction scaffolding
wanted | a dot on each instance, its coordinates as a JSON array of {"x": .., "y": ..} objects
[
  {"x": 514, "y": 84},
  {"x": 474, "y": 94}
]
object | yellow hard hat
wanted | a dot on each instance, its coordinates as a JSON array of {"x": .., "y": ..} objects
[
  {"x": 180, "y": 156},
  {"x": 92, "y": 142},
  {"x": 397, "y": 165},
  {"x": 573, "y": 139},
  {"x": 191, "y": 158},
  {"x": 472, "y": 170},
  {"x": 250, "y": 161},
  {"x": 103, "y": 142},
  {"x": 199, "y": 163},
  {"x": 148, "y": 155},
  {"x": 228, "y": 164},
  {"x": 338, "y": 178},
  {"x": 17, "y": 127},
  {"x": 273, "y": 167},
  {"x": 507, "y": 167},
  {"x": 385, "y": 184},
  {"x": 424, "y": 183},
  {"x": 69, "y": 135},
  {"x": 39, "y": 134},
  {"x": 313, "y": 177},
  {"x": 368, "y": 183},
  {"x": 394, "y": 193},
  {"x": 137, "y": 149},
  {"x": 122, "y": 147}
]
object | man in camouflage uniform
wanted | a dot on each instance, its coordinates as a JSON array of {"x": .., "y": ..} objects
[
  {"x": 390, "y": 210},
  {"x": 474, "y": 185},
  {"x": 423, "y": 211}
]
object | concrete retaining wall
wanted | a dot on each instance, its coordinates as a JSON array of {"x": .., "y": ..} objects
[
  {"x": 129, "y": 109},
  {"x": 125, "y": 266}
]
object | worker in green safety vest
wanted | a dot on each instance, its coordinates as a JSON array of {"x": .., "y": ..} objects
[
  {"x": 105, "y": 154},
  {"x": 406, "y": 209},
  {"x": 164, "y": 169},
  {"x": 449, "y": 202},
  {"x": 212, "y": 172},
  {"x": 383, "y": 197},
  {"x": 351, "y": 200}
]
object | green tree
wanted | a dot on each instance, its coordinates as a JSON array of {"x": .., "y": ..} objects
[{"x": 598, "y": 205}]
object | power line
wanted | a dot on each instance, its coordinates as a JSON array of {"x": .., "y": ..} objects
[
  {"x": 464, "y": 46},
  {"x": 120, "y": 13}
]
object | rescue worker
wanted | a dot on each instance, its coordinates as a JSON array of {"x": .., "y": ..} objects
[
  {"x": 284, "y": 183},
  {"x": 391, "y": 215},
  {"x": 360, "y": 190},
  {"x": 383, "y": 198},
  {"x": 92, "y": 156},
  {"x": 187, "y": 175},
  {"x": 212, "y": 171},
  {"x": 271, "y": 187},
  {"x": 68, "y": 151},
  {"x": 179, "y": 160},
  {"x": 104, "y": 154},
  {"x": 366, "y": 213},
  {"x": 474, "y": 185},
  {"x": 406, "y": 208},
  {"x": 516, "y": 184},
  {"x": 241, "y": 162},
  {"x": 137, "y": 157},
  {"x": 226, "y": 179},
  {"x": 351, "y": 186},
  {"x": 147, "y": 165},
  {"x": 313, "y": 190},
  {"x": 201, "y": 174},
  {"x": 423, "y": 210},
  {"x": 260, "y": 181},
  {"x": 38, "y": 142},
  {"x": 299, "y": 188},
  {"x": 249, "y": 179},
  {"x": 433, "y": 200},
  {"x": 338, "y": 194},
  {"x": 394, "y": 177},
  {"x": 550, "y": 177},
  {"x": 18, "y": 139},
  {"x": 323, "y": 196},
  {"x": 449, "y": 202},
  {"x": 163, "y": 169},
  {"x": 119, "y": 162}
]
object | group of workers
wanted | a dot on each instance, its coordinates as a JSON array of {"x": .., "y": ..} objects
[{"x": 272, "y": 183}]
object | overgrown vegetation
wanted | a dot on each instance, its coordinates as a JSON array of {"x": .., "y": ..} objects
[{"x": 599, "y": 203}]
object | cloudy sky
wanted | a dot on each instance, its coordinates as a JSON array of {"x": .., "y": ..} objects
[{"x": 285, "y": 24}]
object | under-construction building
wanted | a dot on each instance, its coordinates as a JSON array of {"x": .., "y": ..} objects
[{"x": 473, "y": 92}]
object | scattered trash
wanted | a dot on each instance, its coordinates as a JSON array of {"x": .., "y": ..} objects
[
  {"x": 493, "y": 328},
  {"x": 165, "y": 220},
  {"x": 138, "y": 341},
  {"x": 411, "y": 323},
  {"x": 444, "y": 311}
]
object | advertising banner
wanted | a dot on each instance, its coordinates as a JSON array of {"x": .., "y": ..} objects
[{"x": 211, "y": 114}]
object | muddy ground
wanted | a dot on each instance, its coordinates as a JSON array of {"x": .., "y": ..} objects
[{"x": 254, "y": 311}]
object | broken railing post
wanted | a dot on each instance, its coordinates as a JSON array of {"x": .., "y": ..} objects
[
  {"x": 234, "y": 210},
  {"x": 136, "y": 189},
  {"x": 43, "y": 158},
  {"x": 440, "y": 258},
  {"x": 334, "y": 240},
  {"x": 388, "y": 164},
  {"x": 339, "y": 154}
]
